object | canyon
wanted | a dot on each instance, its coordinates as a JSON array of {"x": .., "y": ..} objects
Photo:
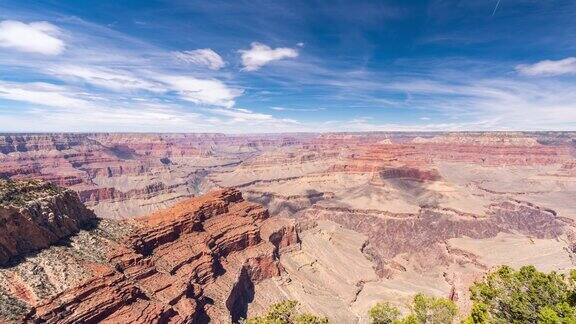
[
  {"x": 191, "y": 263},
  {"x": 213, "y": 227}
]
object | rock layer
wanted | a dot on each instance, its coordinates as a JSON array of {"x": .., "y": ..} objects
[
  {"x": 425, "y": 212},
  {"x": 34, "y": 215},
  {"x": 193, "y": 262}
]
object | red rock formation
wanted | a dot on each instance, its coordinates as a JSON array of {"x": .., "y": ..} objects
[
  {"x": 387, "y": 235},
  {"x": 490, "y": 153},
  {"x": 33, "y": 222},
  {"x": 111, "y": 168},
  {"x": 410, "y": 173},
  {"x": 95, "y": 195},
  {"x": 194, "y": 261},
  {"x": 91, "y": 163}
]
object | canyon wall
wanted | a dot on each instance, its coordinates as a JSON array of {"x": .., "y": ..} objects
[
  {"x": 34, "y": 215},
  {"x": 414, "y": 212},
  {"x": 190, "y": 263},
  {"x": 127, "y": 175}
]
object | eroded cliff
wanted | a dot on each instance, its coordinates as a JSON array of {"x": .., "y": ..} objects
[
  {"x": 194, "y": 262},
  {"x": 420, "y": 212},
  {"x": 35, "y": 214}
]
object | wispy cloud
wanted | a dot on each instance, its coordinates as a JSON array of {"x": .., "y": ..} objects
[
  {"x": 113, "y": 79},
  {"x": 202, "y": 91},
  {"x": 123, "y": 70},
  {"x": 297, "y": 109},
  {"x": 506, "y": 103},
  {"x": 112, "y": 118},
  {"x": 197, "y": 90},
  {"x": 549, "y": 67},
  {"x": 259, "y": 55},
  {"x": 36, "y": 37},
  {"x": 242, "y": 115},
  {"x": 203, "y": 57},
  {"x": 44, "y": 94},
  {"x": 135, "y": 86}
]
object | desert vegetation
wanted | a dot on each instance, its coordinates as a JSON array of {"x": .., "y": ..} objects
[
  {"x": 524, "y": 296},
  {"x": 503, "y": 296},
  {"x": 286, "y": 312},
  {"x": 18, "y": 193},
  {"x": 424, "y": 309}
]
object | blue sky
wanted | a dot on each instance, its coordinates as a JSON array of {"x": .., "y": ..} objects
[{"x": 284, "y": 66}]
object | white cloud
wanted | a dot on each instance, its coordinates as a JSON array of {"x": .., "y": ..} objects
[
  {"x": 548, "y": 67},
  {"x": 36, "y": 37},
  {"x": 248, "y": 121},
  {"x": 496, "y": 104},
  {"x": 107, "y": 78},
  {"x": 242, "y": 115},
  {"x": 41, "y": 94},
  {"x": 93, "y": 92},
  {"x": 259, "y": 55},
  {"x": 128, "y": 65},
  {"x": 204, "y": 57},
  {"x": 297, "y": 109},
  {"x": 115, "y": 118},
  {"x": 54, "y": 108},
  {"x": 202, "y": 91}
]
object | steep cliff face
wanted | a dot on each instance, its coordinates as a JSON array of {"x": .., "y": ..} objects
[
  {"x": 430, "y": 211},
  {"x": 193, "y": 262},
  {"x": 34, "y": 215},
  {"x": 126, "y": 175}
]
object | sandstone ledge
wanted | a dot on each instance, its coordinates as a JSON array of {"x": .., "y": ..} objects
[{"x": 196, "y": 261}]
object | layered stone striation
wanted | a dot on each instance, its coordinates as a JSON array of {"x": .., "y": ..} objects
[
  {"x": 35, "y": 214},
  {"x": 194, "y": 262}
]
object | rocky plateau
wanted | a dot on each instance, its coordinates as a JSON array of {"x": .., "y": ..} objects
[{"x": 210, "y": 227}]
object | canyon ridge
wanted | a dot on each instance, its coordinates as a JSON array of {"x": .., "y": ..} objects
[{"x": 120, "y": 227}]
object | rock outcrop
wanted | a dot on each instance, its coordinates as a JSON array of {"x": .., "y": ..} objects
[
  {"x": 34, "y": 215},
  {"x": 388, "y": 234},
  {"x": 193, "y": 262},
  {"x": 425, "y": 212},
  {"x": 126, "y": 175},
  {"x": 410, "y": 173}
]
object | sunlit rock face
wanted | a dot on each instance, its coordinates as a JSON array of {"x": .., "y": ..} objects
[
  {"x": 128, "y": 175},
  {"x": 381, "y": 216},
  {"x": 35, "y": 214},
  {"x": 194, "y": 262}
]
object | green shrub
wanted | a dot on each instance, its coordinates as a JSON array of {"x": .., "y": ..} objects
[
  {"x": 433, "y": 310},
  {"x": 479, "y": 314},
  {"x": 410, "y": 319},
  {"x": 286, "y": 313},
  {"x": 523, "y": 296},
  {"x": 383, "y": 313},
  {"x": 425, "y": 310},
  {"x": 19, "y": 193}
]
